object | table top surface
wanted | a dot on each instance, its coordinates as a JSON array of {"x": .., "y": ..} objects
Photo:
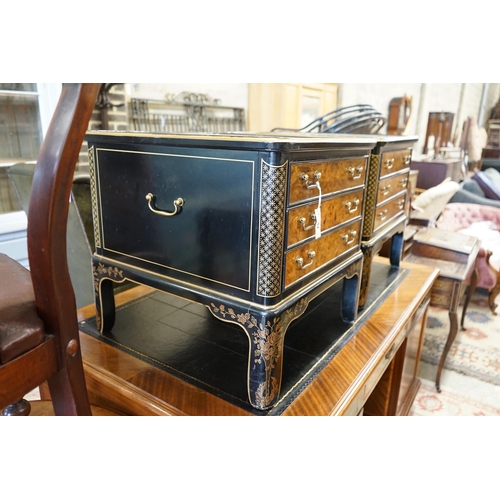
[
  {"x": 448, "y": 269},
  {"x": 149, "y": 390}
]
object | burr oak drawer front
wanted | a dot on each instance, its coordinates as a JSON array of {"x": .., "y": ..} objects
[
  {"x": 388, "y": 211},
  {"x": 394, "y": 161},
  {"x": 306, "y": 258},
  {"x": 390, "y": 186},
  {"x": 334, "y": 211},
  {"x": 331, "y": 176}
]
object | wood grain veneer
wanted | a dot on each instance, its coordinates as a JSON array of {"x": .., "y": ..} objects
[
  {"x": 325, "y": 249},
  {"x": 334, "y": 211},
  {"x": 336, "y": 175}
]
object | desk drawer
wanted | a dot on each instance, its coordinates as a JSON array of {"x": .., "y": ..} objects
[
  {"x": 321, "y": 251},
  {"x": 389, "y": 187},
  {"x": 334, "y": 211},
  {"x": 333, "y": 176},
  {"x": 388, "y": 211},
  {"x": 394, "y": 161}
]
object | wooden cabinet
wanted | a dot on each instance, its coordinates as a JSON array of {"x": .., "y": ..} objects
[
  {"x": 205, "y": 217},
  {"x": 290, "y": 105},
  {"x": 386, "y": 202},
  {"x": 398, "y": 386}
]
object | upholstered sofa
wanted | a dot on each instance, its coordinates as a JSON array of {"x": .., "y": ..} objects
[
  {"x": 483, "y": 188},
  {"x": 483, "y": 222}
]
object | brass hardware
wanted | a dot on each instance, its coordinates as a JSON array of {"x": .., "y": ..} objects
[
  {"x": 384, "y": 190},
  {"x": 382, "y": 215},
  {"x": 388, "y": 355},
  {"x": 305, "y": 178},
  {"x": 355, "y": 172},
  {"x": 302, "y": 221},
  {"x": 346, "y": 239},
  {"x": 72, "y": 347},
  {"x": 389, "y": 163},
  {"x": 403, "y": 183},
  {"x": 406, "y": 159},
  {"x": 349, "y": 204},
  {"x": 300, "y": 260},
  {"x": 400, "y": 204},
  {"x": 177, "y": 204}
]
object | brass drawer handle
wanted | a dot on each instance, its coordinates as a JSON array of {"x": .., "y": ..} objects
[
  {"x": 305, "y": 178},
  {"x": 355, "y": 173},
  {"x": 384, "y": 190},
  {"x": 382, "y": 215},
  {"x": 346, "y": 239},
  {"x": 407, "y": 159},
  {"x": 177, "y": 204},
  {"x": 403, "y": 183},
  {"x": 400, "y": 204},
  {"x": 300, "y": 260},
  {"x": 349, "y": 204},
  {"x": 389, "y": 353},
  {"x": 302, "y": 222},
  {"x": 389, "y": 163}
]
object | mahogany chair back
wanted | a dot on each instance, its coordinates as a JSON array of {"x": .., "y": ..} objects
[{"x": 39, "y": 338}]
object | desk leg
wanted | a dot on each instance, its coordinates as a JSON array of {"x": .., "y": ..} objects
[
  {"x": 397, "y": 243},
  {"x": 368, "y": 255},
  {"x": 104, "y": 296},
  {"x": 266, "y": 337},
  {"x": 449, "y": 342},
  {"x": 470, "y": 291}
]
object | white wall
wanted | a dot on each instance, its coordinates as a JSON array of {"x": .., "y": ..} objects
[
  {"x": 230, "y": 94},
  {"x": 462, "y": 99}
]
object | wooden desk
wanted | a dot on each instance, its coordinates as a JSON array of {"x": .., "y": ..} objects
[
  {"x": 454, "y": 279},
  {"x": 370, "y": 371}
]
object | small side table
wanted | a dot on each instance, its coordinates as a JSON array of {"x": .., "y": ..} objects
[{"x": 455, "y": 278}]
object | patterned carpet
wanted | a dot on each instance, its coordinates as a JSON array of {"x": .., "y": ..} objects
[
  {"x": 476, "y": 350},
  {"x": 430, "y": 403},
  {"x": 475, "y": 354}
]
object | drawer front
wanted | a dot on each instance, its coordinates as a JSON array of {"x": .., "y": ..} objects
[
  {"x": 388, "y": 211},
  {"x": 210, "y": 238},
  {"x": 320, "y": 252},
  {"x": 389, "y": 187},
  {"x": 394, "y": 161},
  {"x": 334, "y": 211},
  {"x": 333, "y": 176}
]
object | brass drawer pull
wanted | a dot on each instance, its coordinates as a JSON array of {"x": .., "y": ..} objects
[
  {"x": 349, "y": 204},
  {"x": 400, "y": 204},
  {"x": 407, "y": 159},
  {"x": 177, "y": 204},
  {"x": 384, "y": 190},
  {"x": 388, "y": 354},
  {"x": 346, "y": 239},
  {"x": 355, "y": 173},
  {"x": 305, "y": 178},
  {"x": 389, "y": 163},
  {"x": 300, "y": 260},
  {"x": 302, "y": 222},
  {"x": 403, "y": 183},
  {"x": 382, "y": 215}
]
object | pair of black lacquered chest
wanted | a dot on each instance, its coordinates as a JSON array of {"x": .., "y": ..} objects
[{"x": 252, "y": 226}]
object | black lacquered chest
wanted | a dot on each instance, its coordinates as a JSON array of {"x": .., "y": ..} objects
[{"x": 252, "y": 226}]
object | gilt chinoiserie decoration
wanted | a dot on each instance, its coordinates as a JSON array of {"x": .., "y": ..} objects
[{"x": 254, "y": 227}]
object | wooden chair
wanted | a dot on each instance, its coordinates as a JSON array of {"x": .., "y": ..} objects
[{"x": 39, "y": 338}]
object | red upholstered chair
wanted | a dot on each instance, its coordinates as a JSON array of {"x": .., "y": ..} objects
[
  {"x": 483, "y": 222},
  {"x": 39, "y": 338}
]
